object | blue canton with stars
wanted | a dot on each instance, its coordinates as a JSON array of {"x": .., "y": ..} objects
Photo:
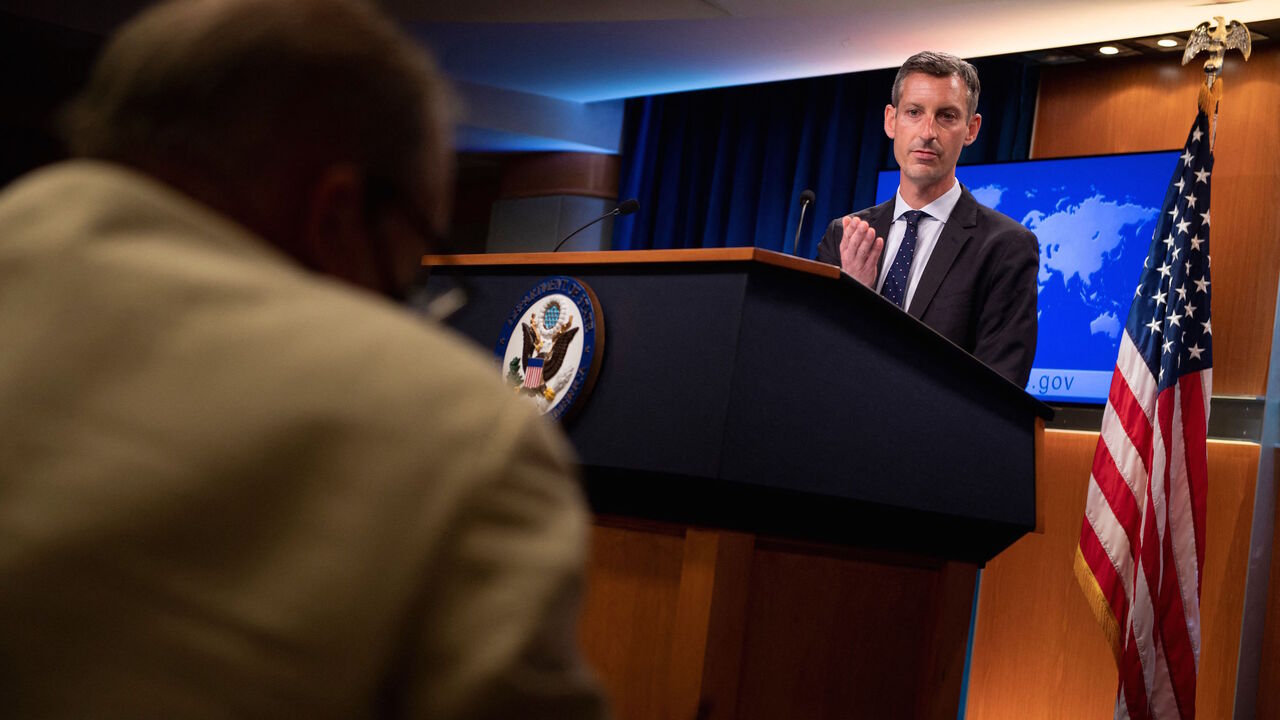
[{"x": 1169, "y": 318}]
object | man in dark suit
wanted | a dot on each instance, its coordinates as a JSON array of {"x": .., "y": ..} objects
[{"x": 963, "y": 269}]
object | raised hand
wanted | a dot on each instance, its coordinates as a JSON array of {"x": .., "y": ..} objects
[{"x": 860, "y": 250}]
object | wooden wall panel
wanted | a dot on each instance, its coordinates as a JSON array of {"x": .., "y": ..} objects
[
  {"x": 560, "y": 173},
  {"x": 1142, "y": 104},
  {"x": 809, "y": 621},
  {"x": 697, "y": 624},
  {"x": 1037, "y": 650},
  {"x": 706, "y": 649},
  {"x": 629, "y": 613},
  {"x": 1233, "y": 475},
  {"x": 1269, "y": 672}
]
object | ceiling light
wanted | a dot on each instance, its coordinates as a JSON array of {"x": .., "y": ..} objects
[
  {"x": 1109, "y": 50},
  {"x": 1167, "y": 42}
]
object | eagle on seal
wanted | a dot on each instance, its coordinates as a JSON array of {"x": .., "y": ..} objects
[{"x": 535, "y": 345}]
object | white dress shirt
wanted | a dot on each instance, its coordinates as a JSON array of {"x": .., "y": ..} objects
[{"x": 930, "y": 227}]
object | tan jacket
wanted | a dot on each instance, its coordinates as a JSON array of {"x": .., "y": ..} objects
[{"x": 230, "y": 488}]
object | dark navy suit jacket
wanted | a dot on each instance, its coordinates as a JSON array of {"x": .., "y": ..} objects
[{"x": 979, "y": 288}]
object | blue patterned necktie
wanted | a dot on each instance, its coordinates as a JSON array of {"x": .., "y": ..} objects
[{"x": 895, "y": 283}]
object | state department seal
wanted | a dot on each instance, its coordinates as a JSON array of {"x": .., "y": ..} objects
[{"x": 550, "y": 345}]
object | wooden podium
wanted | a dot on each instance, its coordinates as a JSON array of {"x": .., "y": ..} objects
[{"x": 794, "y": 483}]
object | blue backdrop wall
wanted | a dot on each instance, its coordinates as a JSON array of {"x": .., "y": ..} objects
[{"x": 725, "y": 167}]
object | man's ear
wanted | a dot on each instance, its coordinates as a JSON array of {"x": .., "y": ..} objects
[
  {"x": 975, "y": 123},
  {"x": 890, "y": 115},
  {"x": 336, "y": 228}
]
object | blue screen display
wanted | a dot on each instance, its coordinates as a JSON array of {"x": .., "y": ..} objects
[{"x": 1094, "y": 217}]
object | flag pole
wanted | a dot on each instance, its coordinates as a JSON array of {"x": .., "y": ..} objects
[
  {"x": 1140, "y": 559},
  {"x": 1248, "y": 660}
]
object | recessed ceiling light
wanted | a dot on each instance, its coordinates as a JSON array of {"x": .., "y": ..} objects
[
  {"x": 1167, "y": 42},
  {"x": 1109, "y": 50}
]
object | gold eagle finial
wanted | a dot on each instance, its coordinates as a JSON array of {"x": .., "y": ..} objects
[{"x": 1223, "y": 37}]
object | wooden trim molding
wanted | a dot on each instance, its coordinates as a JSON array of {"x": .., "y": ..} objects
[
  {"x": 560, "y": 173},
  {"x": 743, "y": 254}
]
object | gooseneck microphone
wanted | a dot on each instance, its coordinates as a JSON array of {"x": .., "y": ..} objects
[
  {"x": 806, "y": 198},
  {"x": 626, "y": 207}
]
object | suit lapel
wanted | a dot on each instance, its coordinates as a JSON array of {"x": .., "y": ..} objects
[
  {"x": 881, "y": 219},
  {"x": 955, "y": 233}
]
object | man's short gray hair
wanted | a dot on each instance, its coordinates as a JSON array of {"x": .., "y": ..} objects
[
  {"x": 233, "y": 91},
  {"x": 939, "y": 64}
]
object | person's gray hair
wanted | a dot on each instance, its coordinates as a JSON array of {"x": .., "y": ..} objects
[
  {"x": 235, "y": 90},
  {"x": 939, "y": 64}
]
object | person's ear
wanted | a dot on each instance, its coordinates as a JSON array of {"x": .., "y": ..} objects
[
  {"x": 975, "y": 123},
  {"x": 890, "y": 115},
  {"x": 336, "y": 226}
]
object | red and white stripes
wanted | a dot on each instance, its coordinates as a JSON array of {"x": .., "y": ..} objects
[{"x": 1141, "y": 552}]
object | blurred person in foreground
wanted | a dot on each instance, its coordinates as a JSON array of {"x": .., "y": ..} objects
[{"x": 235, "y": 480}]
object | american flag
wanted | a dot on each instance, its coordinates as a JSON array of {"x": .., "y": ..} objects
[
  {"x": 533, "y": 374},
  {"x": 1141, "y": 552}
]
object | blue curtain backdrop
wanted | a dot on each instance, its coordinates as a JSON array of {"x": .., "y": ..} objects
[{"x": 725, "y": 167}]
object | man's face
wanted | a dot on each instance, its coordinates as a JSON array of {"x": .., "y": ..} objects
[{"x": 929, "y": 127}]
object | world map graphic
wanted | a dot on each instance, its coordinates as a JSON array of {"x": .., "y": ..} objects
[{"x": 1094, "y": 218}]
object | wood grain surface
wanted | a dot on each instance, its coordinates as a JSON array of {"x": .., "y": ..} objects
[
  {"x": 1269, "y": 673},
  {"x": 1037, "y": 650},
  {"x": 697, "y": 255},
  {"x": 541, "y": 174},
  {"x": 629, "y": 614}
]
